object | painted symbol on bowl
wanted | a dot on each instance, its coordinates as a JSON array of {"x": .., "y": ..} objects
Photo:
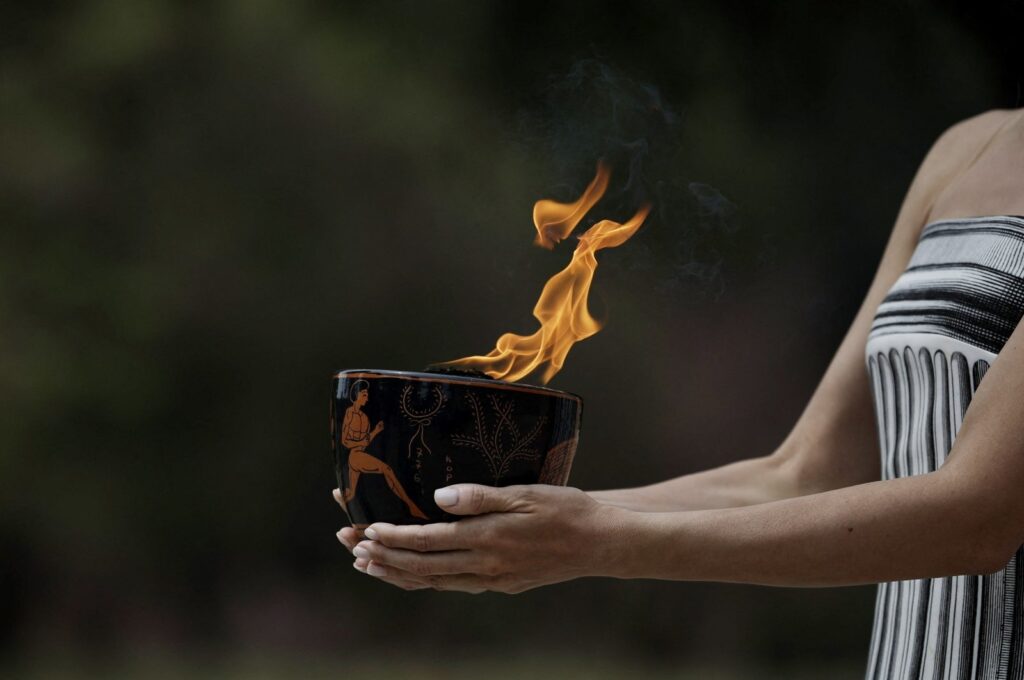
[
  {"x": 418, "y": 449},
  {"x": 501, "y": 443}
]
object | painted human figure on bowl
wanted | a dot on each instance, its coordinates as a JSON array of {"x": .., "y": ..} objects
[{"x": 356, "y": 436}]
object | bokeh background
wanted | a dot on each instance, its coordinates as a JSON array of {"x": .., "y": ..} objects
[{"x": 209, "y": 207}]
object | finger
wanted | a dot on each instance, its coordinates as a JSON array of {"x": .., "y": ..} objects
[
  {"x": 337, "y": 499},
  {"x": 466, "y": 583},
  {"x": 477, "y": 499},
  {"x": 423, "y": 564},
  {"x": 425, "y": 537},
  {"x": 396, "y": 578},
  {"x": 349, "y": 536}
]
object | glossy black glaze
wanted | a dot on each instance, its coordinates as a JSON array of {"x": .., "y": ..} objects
[{"x": 433, "y": 430}]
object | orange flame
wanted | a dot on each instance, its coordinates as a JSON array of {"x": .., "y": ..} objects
[
  {"x": 555, "y": 220},
  {"x": 562, "y": 306}
]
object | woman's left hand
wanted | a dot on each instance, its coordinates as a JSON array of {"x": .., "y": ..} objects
[{"x": 518, "y": 538}]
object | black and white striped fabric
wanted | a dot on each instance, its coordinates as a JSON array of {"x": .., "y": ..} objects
[{"x": 933, "y": 338}]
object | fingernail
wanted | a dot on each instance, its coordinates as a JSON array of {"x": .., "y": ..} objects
[
  {"x": 375, "y": 569},
  {"x": 446, "y": 497},
  {"x": 360, "y": 551},
  {"x": 370, "y": 534},
  {"x": 339, "y": 536},
  {"x": 358, "y": 568}
]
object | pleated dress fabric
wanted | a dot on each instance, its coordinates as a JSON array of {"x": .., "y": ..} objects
[{"x": 934, "y": 336}]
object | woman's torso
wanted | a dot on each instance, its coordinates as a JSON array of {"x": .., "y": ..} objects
[{"x": 934, "y": 336}]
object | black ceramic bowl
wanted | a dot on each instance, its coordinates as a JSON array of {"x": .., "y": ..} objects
[{"x": 398, "y": 436}]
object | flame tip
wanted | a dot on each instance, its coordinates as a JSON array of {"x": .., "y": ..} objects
[{"x": 561, "y": 308}]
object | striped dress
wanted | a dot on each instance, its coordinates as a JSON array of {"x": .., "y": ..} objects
[{"x": 933, "y": 338}]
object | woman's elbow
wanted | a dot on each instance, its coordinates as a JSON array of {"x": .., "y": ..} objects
[
  {"x": 989, "y": 548},
  {"x": 984, "y": 516},
  {"x": 989, "y": 561}
]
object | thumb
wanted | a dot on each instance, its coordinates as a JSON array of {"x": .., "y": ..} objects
[{"x": 474, "y": 499}]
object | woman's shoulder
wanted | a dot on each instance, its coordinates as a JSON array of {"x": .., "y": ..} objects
[
  {"x": 953, "y": 151},
  {"x": 970, "y": 134},
  {"x": 958, "y": 146}
]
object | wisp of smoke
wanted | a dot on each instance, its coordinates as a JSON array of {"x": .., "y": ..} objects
[{"x": 597, "y": 111}]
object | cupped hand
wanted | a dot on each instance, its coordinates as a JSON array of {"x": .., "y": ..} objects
[{"x": 515, "y": 538}]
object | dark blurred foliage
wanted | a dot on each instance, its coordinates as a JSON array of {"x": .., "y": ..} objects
[{"x": 207, "y": 208}]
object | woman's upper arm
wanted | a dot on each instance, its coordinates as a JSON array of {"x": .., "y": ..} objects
[{"x": 834, "y": 442}]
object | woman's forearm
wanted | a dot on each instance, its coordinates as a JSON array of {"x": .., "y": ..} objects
[
  {"x": 747, "y": 482},
  {"x": 914, "y": 527}
]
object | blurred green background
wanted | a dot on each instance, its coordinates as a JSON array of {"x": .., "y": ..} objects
[{"x": 209, "y": 207}]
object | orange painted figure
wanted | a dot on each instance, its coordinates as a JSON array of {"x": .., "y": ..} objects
[{"x": 356, "y": 435}]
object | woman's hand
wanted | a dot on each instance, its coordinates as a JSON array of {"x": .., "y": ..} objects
[{"x": 519, "y": 537}]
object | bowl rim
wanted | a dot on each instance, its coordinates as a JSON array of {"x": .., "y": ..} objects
[{"x": 419, "y": 376}]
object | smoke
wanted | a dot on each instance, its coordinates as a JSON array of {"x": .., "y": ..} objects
[{"x": 596, "y": 111}]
